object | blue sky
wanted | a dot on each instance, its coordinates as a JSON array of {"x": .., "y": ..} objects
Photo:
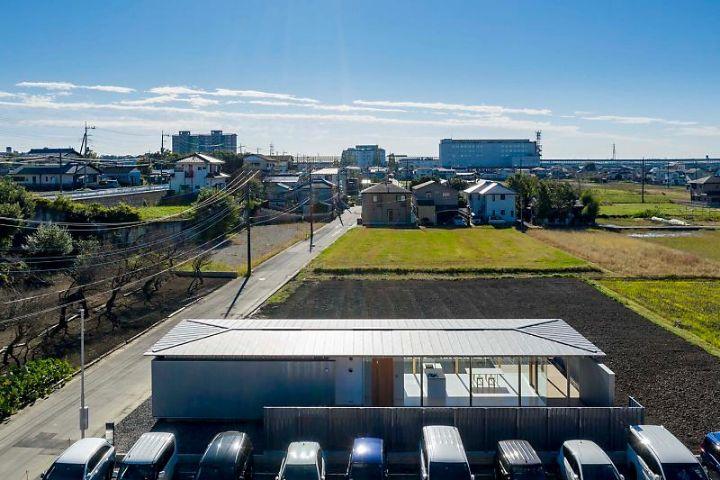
[{"x": 318, "y": 76}]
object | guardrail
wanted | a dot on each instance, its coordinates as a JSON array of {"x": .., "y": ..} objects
[{"x": 108, "y": 192}]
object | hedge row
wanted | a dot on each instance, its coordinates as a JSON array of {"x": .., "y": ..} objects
[
  {"x": 94, "y": 212},
  {"x": 20, "y": 386}
]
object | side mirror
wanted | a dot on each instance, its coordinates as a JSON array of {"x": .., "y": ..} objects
[
  {"x": 162, "y": 475},
  {"x": 472, "y": 476}
]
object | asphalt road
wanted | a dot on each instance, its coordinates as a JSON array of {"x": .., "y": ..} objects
[{"x": 117, "y": 384}]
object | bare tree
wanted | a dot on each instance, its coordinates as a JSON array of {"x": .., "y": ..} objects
[{"x": 198, "y": 263}]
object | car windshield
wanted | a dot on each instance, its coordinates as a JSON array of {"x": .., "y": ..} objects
[
  {"x": 599, "y": 472},
  {"x": 214, "y": 472},
  {"x": 678, "y": 471},
  {"x": 300, "y": 472},
  {"x": 528, "y": 472},
  {"x": 366, "y": 471},
  {"x": 66, "y": 471},
  {"x": 137, "y": 472},
  {"x": 449, "y": 471}
]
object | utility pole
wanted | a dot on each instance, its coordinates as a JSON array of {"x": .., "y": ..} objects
[
  {"x": 312, "y": 205},
  {"x": 247, "y": 226},
  {"x": 84, "y": 153},
  {"x": 60, "y": 174},
  {"x": 84, "y": 412},
  {"x": 642, "y": 191}
]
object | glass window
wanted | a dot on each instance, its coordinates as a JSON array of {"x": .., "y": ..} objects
[
  {"x": 449, "y": 471},
  {"x": 301, "y": 472},
  {"x": 599, "y": 472},
  {"x": 65, "y": 471},
  {"x": 366, "y": 471},
  {"x": 678, "y": 471},
  {"x": 137, "y": 472}
]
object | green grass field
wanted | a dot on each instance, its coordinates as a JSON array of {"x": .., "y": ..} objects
[
  {"x": 467, "y": 250},
  {"x": 646, "y": 210},
  {"x": 704, "y": 244},
  {"x": 626, "y": 192},
  {"x": 689, "y": 308},
  {"x": 153, "y": 213}
]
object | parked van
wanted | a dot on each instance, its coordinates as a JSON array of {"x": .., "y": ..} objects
[
  {"x": 653, "y": 453},
  {"x": 442, "y": 455},
  {"x": 304, "y": 461},
  {"x": 516, "y": 459},
  {"x": 367, "y": 460},
  {"x": 86, "y": 459},
  {"x": 227, "y": 457},
  {"x": 154, "y": 453},
  {"x": 585, "y": 460}
]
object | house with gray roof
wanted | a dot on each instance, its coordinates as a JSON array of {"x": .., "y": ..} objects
[
  {"x": 435, "y": 203},
  {"x": 53, "y": 176},
  {"x": 387, "y": 204},
  {"x": 490, "y": 202},
  {"x": 705, "y": 190}
]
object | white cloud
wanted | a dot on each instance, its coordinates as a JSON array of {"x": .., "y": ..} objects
[
  {"x": 488, "y": 109},
  {"x": 700, "y": 131},
  {"x": 320, "y": 106},
  {"x": 66, "y": 86},
  {"x": 630, "y": 120},
  {"x": 228, "y": 93},
  {"x": 194, "y": 100},
  {"x": 7, "y": 95}
]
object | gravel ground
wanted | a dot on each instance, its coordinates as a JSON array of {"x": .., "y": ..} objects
[{"x": 677, "y": 382}]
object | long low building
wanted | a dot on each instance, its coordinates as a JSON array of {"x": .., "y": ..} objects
[{"x": 231, "y": 369}]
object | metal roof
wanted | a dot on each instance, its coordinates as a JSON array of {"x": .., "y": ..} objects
[
  {"x": 385, "y": 187},
  {"x": 666, "y": 447},
  {"x": 265, "y": 338},
  {"x": 148, "y": 447},
  {"x": 79, "y": 453},
  {"x": 443, "y": 444},
  {"x": 518, "y": 452},
  {"x": 588, "y": 452}
]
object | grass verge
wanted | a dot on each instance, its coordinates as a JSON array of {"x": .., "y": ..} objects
[
  {"x": 153, "y": 213},
  {"x": 687, "y": 308}
]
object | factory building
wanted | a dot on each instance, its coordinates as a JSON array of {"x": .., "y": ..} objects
[
  {"x": 216, "y": 141},
  {"x": 489, "y": 153}
]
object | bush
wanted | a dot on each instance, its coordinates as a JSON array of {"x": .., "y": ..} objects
[
  {"x": 591, "y": 206},
  {"x": 49, "y": 241},
  {"x": 220, "y": 208},
  {"x": 20, "y": 386},
  {"x": 83, "y": 213},
  {"x": 15, "y": 202}
]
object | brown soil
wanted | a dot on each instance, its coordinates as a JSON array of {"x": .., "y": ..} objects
[{"x": 676, "y": 381}]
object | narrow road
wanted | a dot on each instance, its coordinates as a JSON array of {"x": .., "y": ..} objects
[{"x": 116, "y": 385}]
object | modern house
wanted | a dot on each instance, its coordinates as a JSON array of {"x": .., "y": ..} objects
[
  {"x": 490, "y": 202},
  {"x": 52, "y": 177},
  {"x": 265, "y": 164},
  {"x": 387, "y": 204},
  {"x": 233, "y": 369},
  {"x": 705, "y": 190},
  {"x": 198, "y": 171},
  {"x": 126, "y": 175},
  {"x": 435, "y": 203}
]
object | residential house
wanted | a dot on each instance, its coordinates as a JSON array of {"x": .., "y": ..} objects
[
  {"x": 126, "y": 175},
  {"x": 490, "y": 202},
  {"x": 53, "y": 177},
  {"x": 331, "y": 174},
  {"x": 435, "y": 203},
  {"x": 198, "y": 171},
  {"x": 387, "y": 204},
  {"x": 280, "y": 190},
  {"x": 265, "y": 164},
  {"x": 695, "y": 173},
  {"x": 68, "y": 152},
  {"x": 324, "y": 198},
  {"x": 705, "y": 190}
]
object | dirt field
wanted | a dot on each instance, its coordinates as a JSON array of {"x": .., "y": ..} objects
[{"x": 675, "y": 380}]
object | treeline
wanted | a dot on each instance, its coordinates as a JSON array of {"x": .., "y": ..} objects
[{"x": 545, "y": 201}]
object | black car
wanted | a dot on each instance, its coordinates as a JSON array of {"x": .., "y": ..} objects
[
  {"x": 227, "y": 457},
  {"x": 517, "y": 460}
]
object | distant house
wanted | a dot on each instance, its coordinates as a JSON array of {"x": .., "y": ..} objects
[
  {"x": 435, "y": 203},
  {"x": 323, "y": 196},
  {"x": 280, "y": 190},
  {"x": 705, "y": 190},
  {"x": 331, "y": 174},
  {"x": 695, "y": 173},
  {"x": 126, "y": 175},
  {"x": 54, "y": 152},
  {"x": 490, "y": 202},
  {"x": 198, "y": 171},
  {"x": 265, "y": 164},
  {"x": 51, "y": 177},
  {"x": 386, "y": 204}
]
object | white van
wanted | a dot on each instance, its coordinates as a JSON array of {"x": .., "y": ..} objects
[
  {"x": 653, "y": 453},
  {"x": 442, "y": 455},
  {"x": 154, "y": 453}
]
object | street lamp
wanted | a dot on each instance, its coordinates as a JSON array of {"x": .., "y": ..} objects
[{"x": 84, "y": 411}]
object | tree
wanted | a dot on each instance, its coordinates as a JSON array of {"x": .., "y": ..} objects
[
  {"x": 591, "y": 207},
  {"x": 15, "y": 203},
  {"x": 49, "y": 241},
  {"x": 219, "y": 208},
  {"x": 526, "y": 187}
]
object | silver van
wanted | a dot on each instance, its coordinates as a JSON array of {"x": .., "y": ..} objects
[
  {"x": 304, "y": 461},
  {"x": 86, "y": 459},
  {"x": 585, "y": 460},
  {"x": 153, "y": 457},
  {"x": 442, "y": 455},
  {"x": 653, "y": 453}
]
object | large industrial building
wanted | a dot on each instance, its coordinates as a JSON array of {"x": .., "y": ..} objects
[
  {"x": 364, "y": 156},
  {"x": 489, "y": 153},
  {"x": 233, "y": 369},
  {"x": 216, "y": 141}
]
